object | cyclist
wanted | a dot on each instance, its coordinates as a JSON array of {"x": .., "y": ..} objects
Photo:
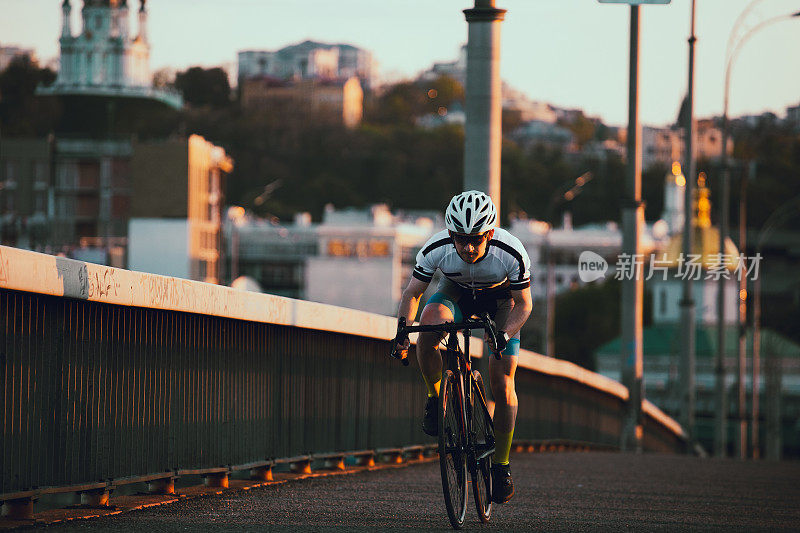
[{"x": 483, "y": 268}]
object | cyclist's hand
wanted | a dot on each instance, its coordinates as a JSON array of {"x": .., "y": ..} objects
[
  {"x": 501, "y": 342},
  {"x": 401, "y": 342},
  {"x": 401, "y": 350}
]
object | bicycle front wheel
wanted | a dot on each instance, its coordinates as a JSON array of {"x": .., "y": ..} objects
[
  {"x": 452, "y": 456},
  {"x": 483, "y": 442}
]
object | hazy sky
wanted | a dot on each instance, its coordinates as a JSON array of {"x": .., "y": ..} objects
[{"x": 571, "y": 53}]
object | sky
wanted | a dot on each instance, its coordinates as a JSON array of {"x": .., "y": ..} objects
[{"x": 570, "y": 53}]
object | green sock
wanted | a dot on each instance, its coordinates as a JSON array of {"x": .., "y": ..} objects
[
  {"x": 502, "y": 447},
  {"x": 433, "y": 384}
]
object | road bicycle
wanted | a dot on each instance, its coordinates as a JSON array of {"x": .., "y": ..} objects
[{"x": 466, "y": 431}]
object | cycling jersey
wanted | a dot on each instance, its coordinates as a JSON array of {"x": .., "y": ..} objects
[{"x": 505, "y": 263}]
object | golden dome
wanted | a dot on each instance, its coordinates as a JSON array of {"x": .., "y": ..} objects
[{"x": 706, "y": 237}]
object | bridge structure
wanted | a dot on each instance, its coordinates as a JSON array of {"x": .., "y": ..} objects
[{"x": 112, "y": 377}]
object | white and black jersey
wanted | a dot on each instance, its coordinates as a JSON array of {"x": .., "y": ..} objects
[{"x": 505, "y": 260}]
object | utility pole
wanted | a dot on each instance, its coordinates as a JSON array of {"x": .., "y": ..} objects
[
  {"x": 721, "y": 418},
  {"x": 483, "y": 106},
  {"x": 633, "y": 288},
  {"x": 687, "y": 301},
  {"x": 742, "y": 348},
  {"x": 632, "y": 224}
]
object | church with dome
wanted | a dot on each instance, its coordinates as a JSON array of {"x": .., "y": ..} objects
[{"x": 107, "y": 57}]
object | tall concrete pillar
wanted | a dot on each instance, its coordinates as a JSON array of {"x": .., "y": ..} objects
[{"x": 483, "y": 130}]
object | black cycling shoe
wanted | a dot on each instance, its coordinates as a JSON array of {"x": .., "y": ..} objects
[
  {"x": 502, "y": 484},
  {"x": 430, "y": 422}
]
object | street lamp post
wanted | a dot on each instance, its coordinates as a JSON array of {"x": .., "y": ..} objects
[
  {"x": 687, "y": 305},
  {"x": 720, "y": 426}
]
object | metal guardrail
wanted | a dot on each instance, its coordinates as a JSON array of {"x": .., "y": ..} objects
[{"x": 110, "y": 375}]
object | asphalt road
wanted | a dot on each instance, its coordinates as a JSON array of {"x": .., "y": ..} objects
[{"x": 555, "y": 492}]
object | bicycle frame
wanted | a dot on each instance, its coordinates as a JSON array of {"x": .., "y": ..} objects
[{"x": 460, "y": 363}]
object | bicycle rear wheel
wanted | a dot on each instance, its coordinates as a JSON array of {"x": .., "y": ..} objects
[
  {"x": 483, "y": 441},
  {"x": 452, "y": 456}
]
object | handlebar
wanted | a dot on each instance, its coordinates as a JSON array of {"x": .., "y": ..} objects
[{"x": 485, "y": 323}]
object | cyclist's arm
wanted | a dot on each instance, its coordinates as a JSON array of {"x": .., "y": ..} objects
[
  {"x": 409, "y": 302},
  {"x": 523, "y": 305}
]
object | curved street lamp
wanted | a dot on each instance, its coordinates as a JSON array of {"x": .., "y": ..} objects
[
  {"x": 720, "y": 427},
  {"x": 773, "y": 449},
  {"x": 566, "y": 193}
]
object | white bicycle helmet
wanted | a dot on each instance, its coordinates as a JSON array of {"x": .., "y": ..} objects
[{"x": 470, "y": 212}]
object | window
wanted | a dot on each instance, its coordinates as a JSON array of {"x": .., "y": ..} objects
[
  {"x": 40, "y": 202},
  {"x": 11, "y": 174},
  {"x": 65, "y": 207},
  {"x": 40, "y": 174},
  {"x": 9, "y": 201},
  {"x": 67, "y": 175}
]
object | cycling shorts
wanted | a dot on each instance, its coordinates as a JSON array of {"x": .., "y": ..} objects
[{"x": 463, "y": 304}]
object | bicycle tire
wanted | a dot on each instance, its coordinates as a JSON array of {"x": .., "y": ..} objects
[
  {"x": 483, "y": 430},
  {"x": 452, "y": 456}
]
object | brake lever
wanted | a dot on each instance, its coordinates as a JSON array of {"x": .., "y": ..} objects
[{"x": 491, "y": 330}]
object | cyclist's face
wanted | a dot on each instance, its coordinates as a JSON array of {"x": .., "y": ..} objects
[{"x": 470, "y": 248}]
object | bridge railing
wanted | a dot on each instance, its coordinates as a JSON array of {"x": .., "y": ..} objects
[{"x": 111, "y": 376}]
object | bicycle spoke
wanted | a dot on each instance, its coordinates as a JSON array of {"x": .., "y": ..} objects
[
  {"x": 452, "y": 458},
  {"x": 483, "y": 448}
]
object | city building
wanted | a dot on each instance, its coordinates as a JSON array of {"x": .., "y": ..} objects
[
  {"x": 92, "y": 199},
  {"x": 64, "y": 195},
  {"x": 76, "y": 197},
  {"x": 455, "y": 69},
  {"x": 662, "y": 146},
  {"x": 524, "y": 109},
  {"x": 309, "y": 60},
  {"x": 793, "y": 116},
  {"x": 25, "y": 186},
  {"x": 603, "y": 150},
  {"x": 356, "y": 258},
  {"x": 175, "y": 227},
  {"x": 106, "y": 58},
  {"x": 342, "y": 98},
  {"x": 548, "y": 134}
]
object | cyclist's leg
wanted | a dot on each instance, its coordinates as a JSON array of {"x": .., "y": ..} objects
[
  {"x": 441, "y": 307},
  {"x": 501, "y": 379}
]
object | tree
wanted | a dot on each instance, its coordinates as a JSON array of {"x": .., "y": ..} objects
[
  {"x": 164, "y": 77},
  {"x": 443, "y": 92},
  {"x": 204, "y": 87},
  {"x": 581, "y": 126},
  {"x": 594, "y": 311},
  {"x": 404, "y": 102},
  {"x": 21, "y": 111}
]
